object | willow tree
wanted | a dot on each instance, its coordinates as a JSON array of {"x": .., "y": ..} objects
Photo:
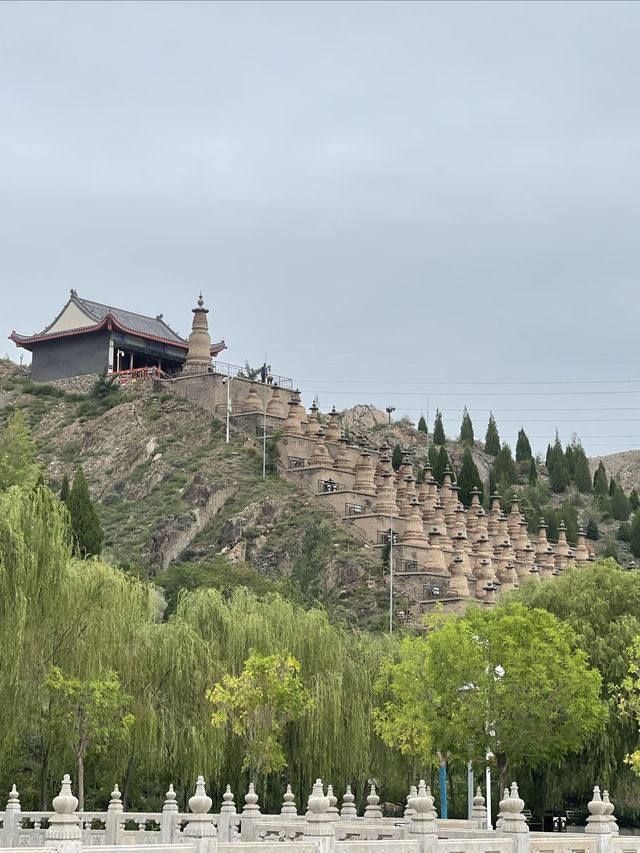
[{"x": 17, "y": 453}]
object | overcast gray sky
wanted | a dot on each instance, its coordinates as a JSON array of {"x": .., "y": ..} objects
[{"x": 406, "y": 204}]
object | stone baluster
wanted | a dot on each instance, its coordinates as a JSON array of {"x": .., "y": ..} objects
[
  {"x": 500, "y": 816},
  {"x": 201, "y": 826},
  {"x": 598, "y": 824},
  {"x": 169, "y": 817},
  {"x": 318, "y": 826},
  {"x": 64, "y": 834},
  {"x": 250, "y": 816},
  {"x": 288, "y": 803},
  {"x": 227, "y": 815},
  {"x": 12, "y": 821},
  {"x": 333, "y": 803},
  {"x": 408, "y": 810},
  {"x": 432, "y": 808},
  {"x": 423, "y": 826},
  {"x": 479, "y": 811},
  {"x": 348, "y": 810},
  {"x": 513, "y": 821},
  {"x": 373, "y": 810},
  {"x": 114, "y": 817},
  {"x": 613, "y": 823}
]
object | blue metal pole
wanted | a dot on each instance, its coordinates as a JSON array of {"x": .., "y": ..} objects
[{"x": 443, "y": 791}]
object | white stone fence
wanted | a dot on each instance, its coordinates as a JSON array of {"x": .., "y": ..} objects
[{"x": 322, "y": 829}]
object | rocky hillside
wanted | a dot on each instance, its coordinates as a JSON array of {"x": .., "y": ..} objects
[
  {"x": 624, "y": 467},
  {"x": 170, "y": 491}
]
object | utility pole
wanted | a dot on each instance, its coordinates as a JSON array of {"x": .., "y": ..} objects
[
  {"x": 391, "y": 564},
  {"x": 227, "y": 382},
  {"x": 264, "y": 422}
]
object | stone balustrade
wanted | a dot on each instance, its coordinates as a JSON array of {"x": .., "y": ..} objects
[{"x": 324, "y": 828}]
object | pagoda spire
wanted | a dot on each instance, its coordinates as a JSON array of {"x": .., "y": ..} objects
[{"x": 199, "y": 356}]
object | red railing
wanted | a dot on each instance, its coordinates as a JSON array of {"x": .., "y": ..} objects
[{"x": 138, "y": 374}]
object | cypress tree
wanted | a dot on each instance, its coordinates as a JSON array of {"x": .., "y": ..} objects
[
  {"x": 570, "y": 460},
  {"x": 438, "y": 430},
  {"x": 533, "y": 471},
  {"x": 600, "y": 482},
  {"x": 466, "y": 429},
  {"x": 634, "y": 500},
  {"x": 492, "y": 438},
  {"x": 581, "y": 474},
  {"x": 634, "y": 543},
  {"x": 523, "y": 448},
  {"x": 433, "y": 457},
  {"x": 548, "y": 460},
  {"x": 558, "y": 471},
  {"x": 592, "y": 530},
  {"x": 422, "y": 425},
  {"x": 619, "y": 504},
  {"x": 84, "y": 518},
  {"x": 504, "y": 466},
  {"x": 396, "y": 457},
  {"x": 612, "y": 487},
  {"x": 442, "y": 463},
  {"x": 468, "y": 478},
  {"x": 64, "y": 489}
]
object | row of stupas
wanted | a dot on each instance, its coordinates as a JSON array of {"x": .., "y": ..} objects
[{"x": 442, "y": 551}]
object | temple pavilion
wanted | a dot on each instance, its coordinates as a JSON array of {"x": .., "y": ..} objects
[{"x": 88, "y": 336}]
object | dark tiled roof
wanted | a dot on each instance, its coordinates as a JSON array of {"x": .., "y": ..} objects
[{"x": 148, "y": 326}]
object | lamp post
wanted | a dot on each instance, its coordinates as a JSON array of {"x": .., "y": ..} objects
[
  {"x": 120, "y": 354},
  {"x": 389, "y": 410}
]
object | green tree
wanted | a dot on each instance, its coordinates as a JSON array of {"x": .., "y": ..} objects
[
  {"x": 257, "y": 705},
  {"x": 422, "y": 425},
  {"x": 558, "y": 472},
  {"x": 438, "y": 430},
  {"x": 634, "y": 500},
  {"x": 634, "y": 542},
  {"x": 64, "y": 489},
  {"x": 523, "y": 448},
  {"x": 492, "y": 439},
  {"x": 84, "y": 518},
  {"x": 600, "y": 481},
  {"x": 600, "y": 603},
  {"x": 466, "y": 429},
  {"x": 624, "y": 532},
  {"x": 442, "y": 463},
  {"x": 581, "y": 474},
  {"x": 489, "y": 681},
  {"x": 619, "y": 504},
  {"x": 469, "y": 478},
  {"x": 592, "y": 531},
  {"x": 92, "y": 714},
  {"x": 533, "y": 472},
  {"x": 433, "y": 456},
  {"x": 504, "y": 467},
  {"x": 396, "y": 457},
  {"x": 612, "y": 486},
  {"x": 17, "y": 453}
]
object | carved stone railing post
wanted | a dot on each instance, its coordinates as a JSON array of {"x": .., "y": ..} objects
[
  {"x": 598, "y": 824},
  {"x": 613, "y": 823},
  {"x": 500, "y": 816},
  {"x": 318, "y": 825},
  {"x": 348, "y": 810},
  {"x": 169, "y": 817},
  {"x": 409, "y": 810},
  {"x": 9, "y": 835},
  {"x": 227, "y": 815},
  {"x": 513, "y": 821},
  {"x": 250, "y": 816},
  {"x": 201, "y": 826},
  {"x": 333, "y": 803},
  {"x": 64, "y": 834},
  {"x": 373, "y": 810},
  {"x": 114, "y": 817},
  {"x": 479, "y": 811},
  {"x": 288, "y": 803},
  {"x": 423, "y": 826}
]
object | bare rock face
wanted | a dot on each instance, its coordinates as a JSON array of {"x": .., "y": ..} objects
[
  {"x": 363, "y": 417},
  {"x": 625, "y": 467}
]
